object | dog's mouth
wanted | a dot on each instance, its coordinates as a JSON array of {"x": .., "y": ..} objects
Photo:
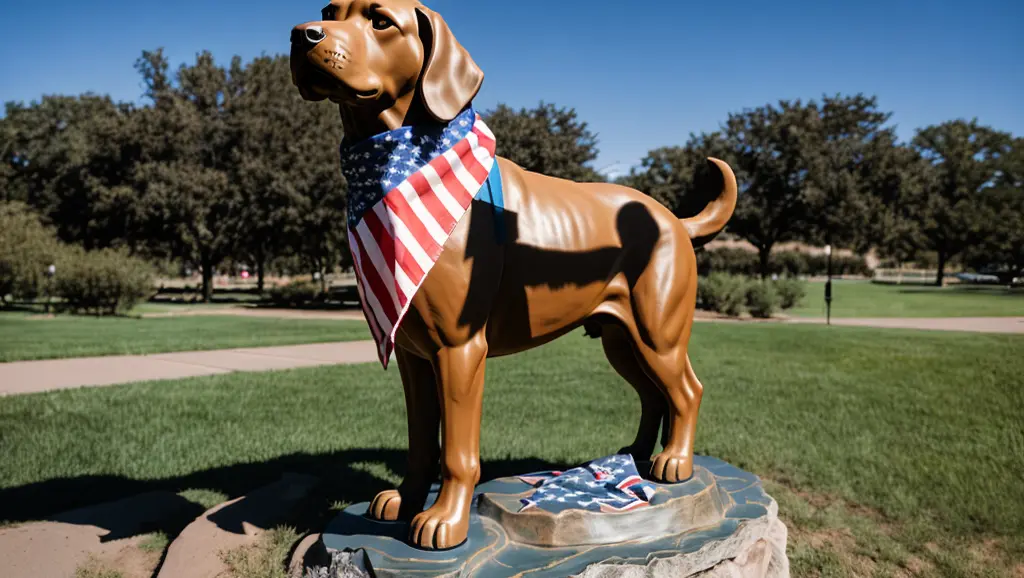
[{"x": 326, "y": 85}]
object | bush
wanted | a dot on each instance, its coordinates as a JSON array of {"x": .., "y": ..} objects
[
  {"x": 789, "y": 263},
  {"x": 727, "y": 260},
  {"x": 791, "y": 292},
  {"x": 735, "y": 261},
  {"x": 295, "y": 294},
  {"x": 841, "y": 265},
  {"x": 722, "y": 293},
  {"x": 27, "y": 248},
  {"x": 104, "y": 282},
  {"x": 762, "y": 300}
]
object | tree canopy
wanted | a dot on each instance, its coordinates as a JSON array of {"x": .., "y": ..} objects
[{"x": 224, "y": 163}]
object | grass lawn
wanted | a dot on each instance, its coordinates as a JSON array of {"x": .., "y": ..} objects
[
  {"x": 25, "y": 337},
  {"x": 891, "y": 452},
  {"x": 866, "y": 299}
]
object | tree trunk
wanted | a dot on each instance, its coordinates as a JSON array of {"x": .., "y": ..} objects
[
  {"x": 261, "y": 260},
  {"x": 207, "y": 266},
  {"x": 765, "y": 254},
  {"x": 323, "y": 277},
  {"x": 942, "y": 269}
]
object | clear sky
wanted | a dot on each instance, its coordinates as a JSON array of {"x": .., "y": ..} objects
[{"x": 642, "y": 74}]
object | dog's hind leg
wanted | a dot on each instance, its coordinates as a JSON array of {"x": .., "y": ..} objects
[
  {"x": 424, "y": 420},
  {"x": 674, "y": 374},
  {"x": 619, "y": 349}
]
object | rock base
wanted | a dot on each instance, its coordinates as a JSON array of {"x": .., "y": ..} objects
[{"x": 746, "y": 539}]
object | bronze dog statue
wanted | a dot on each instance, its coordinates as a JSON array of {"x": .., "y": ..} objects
[{"x": 597, "y": 255}]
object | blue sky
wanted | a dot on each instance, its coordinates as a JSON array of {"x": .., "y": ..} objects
[{"x": 642, "y": 75}]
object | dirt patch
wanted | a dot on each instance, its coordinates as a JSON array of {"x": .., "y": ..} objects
[
  {"x": 236, "y": 534},
  {"x": 840, "y": 543},
  {"x": 128, "y": 560},
  {"x": 104, "y": 539},
  {"x": 919, "y": 566}
]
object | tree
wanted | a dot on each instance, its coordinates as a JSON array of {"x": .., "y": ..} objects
[
  {"x": 1001, "y": 213},
  {"x": 855, "y": 170},
  {"x": 293, "y": 196},
  {"x": 70, "y": 157},
  {"x": 673, "y": 175},
  {"x": 770, "y": 149},
  {"x": 27, "y": 248},
  {"x": 185, "y": 172},
  {"x": 965, "y": 160},
  {"x": 546, "y": 139}
]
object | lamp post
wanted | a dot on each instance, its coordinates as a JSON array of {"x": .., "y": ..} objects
[
  {"x": 828, "y": 287},
  {"x": 50, "y": 272}
]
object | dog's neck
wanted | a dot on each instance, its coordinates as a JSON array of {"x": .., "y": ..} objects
[{"x": 360, "y": 124}]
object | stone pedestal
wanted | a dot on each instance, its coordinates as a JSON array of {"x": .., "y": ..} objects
[{"x": 719, "y": 523}]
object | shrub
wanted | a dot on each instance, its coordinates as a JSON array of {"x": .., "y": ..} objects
[
  {"x": 789, "y": 263},
  {"x": 104, "y": 282},
  {"x": 841, "y": 265},
  {"x": 722, "y": 293},
  {"x": 27, "y": 248},
  {"x": 735, "y": 261},
  {"x": 295, "y": 294},
  {"x": 762, "y": 300},
  {"x": 791, "y": 292},
  {"x": 727, "y": 260}
]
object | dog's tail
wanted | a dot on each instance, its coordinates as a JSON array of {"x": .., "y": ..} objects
[{"x": 718, "y": 212}]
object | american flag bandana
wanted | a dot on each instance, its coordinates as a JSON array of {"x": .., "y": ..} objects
[
  {"x": 408, "y": 189},
  {"x": 610, "y": 484}
]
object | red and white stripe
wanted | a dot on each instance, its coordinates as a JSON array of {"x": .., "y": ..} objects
[{"x": 397, "y": 242}]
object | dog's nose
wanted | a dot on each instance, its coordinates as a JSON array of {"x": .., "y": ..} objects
[{"x": 310, "y": 35}]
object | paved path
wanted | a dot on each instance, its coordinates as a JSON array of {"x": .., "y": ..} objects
[
  {"x": 49, "y": 374},
  {"x": 45, "y": 375},
  {"x": 973, "y": 324}
]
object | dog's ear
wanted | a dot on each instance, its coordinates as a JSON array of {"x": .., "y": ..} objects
[{"x": 450, "y": 78}]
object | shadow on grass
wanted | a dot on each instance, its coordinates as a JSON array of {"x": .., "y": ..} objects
[{"x": 342, "y": 479}]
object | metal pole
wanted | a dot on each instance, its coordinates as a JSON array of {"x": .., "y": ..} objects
[
  {"x": 828, "y": 287},
  {"x": 50, "y": 272}
]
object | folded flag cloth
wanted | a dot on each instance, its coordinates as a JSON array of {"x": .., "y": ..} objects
[
  {"x": 408, "y": 188},
  {"x": 610, "y": 484}
]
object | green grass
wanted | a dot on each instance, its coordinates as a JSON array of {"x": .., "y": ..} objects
[
  {"x": 267, "y": 558},
  {"x": 170, "y": 308},
  {"x": 866, "y": 299},
  {"x": 888, "y": 450},
  {"x": 24, "y": 337}
]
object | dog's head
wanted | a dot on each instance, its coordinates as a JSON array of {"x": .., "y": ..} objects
[{"x": 369, "y": 54}]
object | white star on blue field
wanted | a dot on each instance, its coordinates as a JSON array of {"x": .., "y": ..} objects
[{"x": 377, "y": 165}]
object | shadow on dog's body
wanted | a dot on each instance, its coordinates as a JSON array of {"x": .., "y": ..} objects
[{"x": 571, "y": 254}]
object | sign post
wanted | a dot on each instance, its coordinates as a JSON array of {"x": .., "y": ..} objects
[{"x": 828, "y": 287}]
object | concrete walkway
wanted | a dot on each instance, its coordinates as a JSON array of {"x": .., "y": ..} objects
[
  {"x": 50, "y": 374},
  {"x": 973, "y": 324}
]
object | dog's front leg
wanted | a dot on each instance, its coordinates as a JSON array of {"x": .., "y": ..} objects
[
  {"x": 460, "y": 377},
  {"x": 423, "y": 413}
]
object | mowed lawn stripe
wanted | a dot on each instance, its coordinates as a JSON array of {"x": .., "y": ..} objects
[
  {"x": 25, "y": 337},
  {"x": 865, "y": 299}
]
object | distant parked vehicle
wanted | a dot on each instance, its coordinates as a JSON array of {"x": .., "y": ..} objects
[{"x": 978, "y": 278}]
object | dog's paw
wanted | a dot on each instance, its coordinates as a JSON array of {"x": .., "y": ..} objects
[
  {"x": 386, "y": 505},
  {"x": 438, "y": 529},
  {"x": 669, "y": 468}
]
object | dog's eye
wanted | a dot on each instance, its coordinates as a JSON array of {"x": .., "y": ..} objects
[
  {"x": 380, "y": 21},
  {"x": 329, "y": 13}
]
